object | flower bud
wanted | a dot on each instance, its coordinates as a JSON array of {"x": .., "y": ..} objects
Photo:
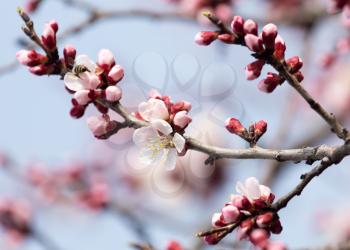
[
  {"x": 299, "y": 76},
  {"x": 276, "y": 245},
  {"x": 269, "y": 83},
  {"x": 212, "y": 239},
  {"x": 280, "y": 48},
  {"x": 276, "y": 227},
  {"x": 206, "y": 37},
  {"x": 254, "y": 43},
  {"x": 259, "y": 237},
  {"x": 260, "y": 128},
  {"x": 234, "y": 126},
  {"x": 237, "y": 25},
  {"x": 250, "y": 27},
  {"x": 69, "y": 53},
  {"x": 217, "y": 221},
  {"x": 82, "y": 97},
  {"x": 32, "y": 5},
  {"x": 116, "y": 74},
  {"x": 182, "y": 119},
  {"x": 295, "y": 64},
  {"x": 98, "y": 125},
  {"x": 77, "y": 111},
  {"x": 264, "y": 220},
  {"x": 105, "y": 59},
  {"x": 269, "y": 34},
  {"x": 30, "y": 58},
  {"x": 227, "y": 38},
  {"x": 241, "y": 202},
  {"x": 48, "y": 37},
  {"x": 41, "y": 70},
  {"x": 253, "y": 70},
  {"x": 113, "y": 94},
  {"x": 230, "y": 214},
  {"x": 244, "y": 228}
]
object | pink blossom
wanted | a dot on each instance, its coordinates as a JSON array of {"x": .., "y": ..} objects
[
  {"x": 69, "y": 53},
  {"x": 269, "y": 84},
  {"x": 48, "y": 37},
  {"x": 295, "y": 64},
  {"x": 82, "y": 97},
  {"x": 237, "y": 25},
  {"x": 105, "y": 59},
  {"x": 98, "y": 125},
  {"x": 269, "y": 34},
  {"x": 234, "y": 126},
  {"x": 250, "y": 27},
  {"x": 253, "y": 70},
  {"x": 259, "y": 237},
  {"x": 206, "y": 37},
  {"x": 30, "y": 58},
  {"x": 254, "y": 43},
  {"x": 116, "y": 73},
  {"x": 230, "y": 214}
]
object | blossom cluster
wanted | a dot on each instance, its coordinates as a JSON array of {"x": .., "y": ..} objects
[
  {"x": 223, "y": 8},
  {"x": 252, "y": 135},
  {"x": 162, "y": 139},
  {"x": 249, "y": 212},
  {"x": 267, "y": 46},
  {"x": 74, "y": 182},
  {"x": 15, "y": 219}
]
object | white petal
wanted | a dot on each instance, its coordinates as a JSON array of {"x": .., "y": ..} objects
[
  {"x": 252, "y": 188},
  {"x": 240, "y": 188},
  {"x": 86, "y": 61},
  {"x": 73, "y": 82},
  {"x": 169, "y": 159},
  {"x": 179, "y": 142},
  {"x": 153, "y": 109},
  {"x": 143, "y": 136},
  {"x": 265, "y": 191},
  {"x": 162, "y": 126}
]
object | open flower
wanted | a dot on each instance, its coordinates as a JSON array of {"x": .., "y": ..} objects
[
  {"x": 82, "y": 80},
  {"x": 252, "y": 189},
  {"x": 158, "y": 145}
]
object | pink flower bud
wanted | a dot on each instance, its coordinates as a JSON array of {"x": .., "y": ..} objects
[
  {"x": 116, "y": 74},
  {"x": 182, "y": 119},
  {"x": 48, "y": 37},
  {"x": 230, "y": 214},
  {"x": 187, "y": 106},
  {"x": 113, "y": 94},
  {"x": 280, "y": 48},
  {"x": 260, "y": 128},
  {"x": 206, "y": 37},
  {"x": 30, "y": 58},
  {"x": 82, "y": 97},
  {"x": 299, "y": 76},
  {"x": 77, "y": 111},
  {"x": 254, "y": 43},
  {"x": 174, "y": 245},
  {"x": 259, "y": 237},
  {"x": 41, "y": 70},
  {"x": 244, "y": 228},
  {"x": 54, "y": 25},
  {"x": 250, "y": 27},
  {"x": 212, "y": 239},
  {"x": 269, "y": 34},
  {"x": 270, "y": 83},
  {"x": 253, "y": 70},
  {"x": 237, "y": 25},
  {"x": 227, "y": 38},
  {"x": 98, "y": 125},
  {"x": 264, "y": 220},
  {"x": 69, "y": 53},
  {"x": 276, "y": 227},
  {"x": 234, "y": 126},
  {"x": 105, "y": 59},
  {"x": 295, "y": 64},
  {"x": 217, "y": 220}
]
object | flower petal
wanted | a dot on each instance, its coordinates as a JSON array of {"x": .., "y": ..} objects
[
  {"x": 153, "y": 109},
  {"x": 87, "y": 62},
  {"x": 240, "y": 188},
  {"x": 179, "y": 142},
  {"x": 73, "y": 82},
  {"x": 142, "y": 137},
  {"x": 265, "y": 191},
  {"x": 252, "y": 188},
  {"x": 162, "y": 126},
  {"x": 169, "y": 159}
]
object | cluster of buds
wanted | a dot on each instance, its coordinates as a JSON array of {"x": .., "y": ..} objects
[
  {"x": 73, "y": 182},
  {"x": 251, "y": 135},
  {"x": 32, "y": 5},
  {"x": 41, "y": 64},
  {"x": 268, "y": 46},
  {"x": 15, "y": 218},
  {"x": 250, "y": 212},
  {"x": 222, "y": 8}
]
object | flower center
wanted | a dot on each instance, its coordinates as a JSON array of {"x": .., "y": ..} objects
[{"x": 156, "y": 145}]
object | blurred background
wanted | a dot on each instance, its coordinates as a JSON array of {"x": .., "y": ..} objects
[{"x": 82, "y": 193}]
